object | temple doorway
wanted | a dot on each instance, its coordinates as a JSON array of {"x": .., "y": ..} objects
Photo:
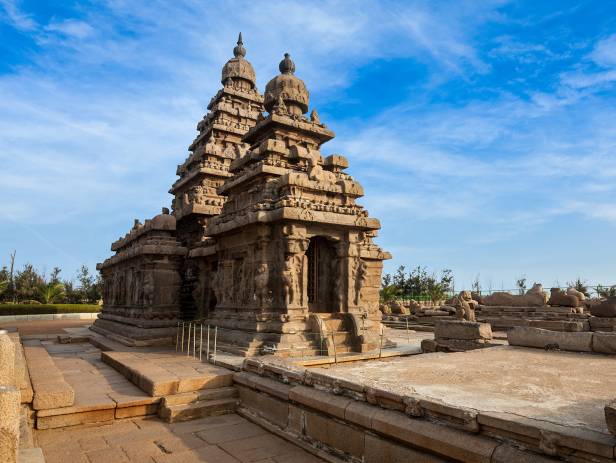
[{"x": 322, "y": 271}]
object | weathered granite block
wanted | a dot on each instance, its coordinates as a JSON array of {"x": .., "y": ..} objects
[
  {"x": 602, "y": 324},
  {"x": 604, "y": 343},
  {"x": 610, "y": 416},
  {"x": 459, "y": 329},
  {"x": 7, "y": 360},
  {"x": 9, "y": 422},
  {"x": 540, "y": 338}
]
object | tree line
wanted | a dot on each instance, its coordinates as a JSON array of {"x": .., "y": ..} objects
[
  {"x": 29, "y": 285},
  {"x": 417, "y": 284}
]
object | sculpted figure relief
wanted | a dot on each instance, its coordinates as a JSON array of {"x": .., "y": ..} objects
[
  {"x": 261, "y": 285},
  {"x": 361, "y": 275},
  {"x": 290, "y": 278},
  {"x": 148, "y": 289}
]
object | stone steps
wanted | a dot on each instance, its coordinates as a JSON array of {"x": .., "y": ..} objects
[
  {"x": 198, "y": 396},
  {"x": 198, "y": 409}
]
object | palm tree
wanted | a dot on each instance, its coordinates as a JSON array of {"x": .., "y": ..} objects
[{"x": 49, "y": 292}]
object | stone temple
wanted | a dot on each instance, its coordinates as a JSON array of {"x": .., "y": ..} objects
[{"x": 265, "y": 239}]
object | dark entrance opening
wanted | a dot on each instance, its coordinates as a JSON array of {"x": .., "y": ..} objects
[{"x": 321, "y": 275}]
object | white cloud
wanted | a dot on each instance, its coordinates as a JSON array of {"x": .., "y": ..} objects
[
  {"x": 70, "y": 28},
  {"x": 604, "y": 53},
  {"x": 20, "y": 20}
]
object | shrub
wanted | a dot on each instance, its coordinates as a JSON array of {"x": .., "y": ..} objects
[{"x": 35, "y": 309}]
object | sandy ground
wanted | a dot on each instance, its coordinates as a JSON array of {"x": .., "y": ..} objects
[
  {"x": 45, "y": 326},
  {"x": 566, "y": 388}
]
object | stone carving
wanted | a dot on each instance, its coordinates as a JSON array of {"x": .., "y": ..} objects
[
  {"x": 290, "y": 280},
  {"x": 534, "y": 297},
  {"x": 261, "y": 285},
  {"x": 574, "y": 292},
  {"x": 360, "y": 273},
  {"x": 464, "y": 309},
  {"x": 559, "y": 298}
]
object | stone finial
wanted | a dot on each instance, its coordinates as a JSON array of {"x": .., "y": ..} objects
[
  {"x": 165, "y": 211},
  {"x": 287, "y": 66},
  {"x": 239, "y": 50}
]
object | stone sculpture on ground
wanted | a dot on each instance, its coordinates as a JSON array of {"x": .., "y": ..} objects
[
  {"x": 534, "y": 297},
  {"x": 605, "y": 309},
  {"x": 265, "y": 233},
  {"x": 560, "y": 298}
]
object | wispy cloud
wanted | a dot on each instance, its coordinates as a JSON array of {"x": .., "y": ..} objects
[
  {"x": 95, "y": 120},
  {"x": 13, "y": 14}
]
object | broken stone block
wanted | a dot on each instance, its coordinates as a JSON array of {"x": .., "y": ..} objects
[
  {"x": 546, "y": 339},
  {"x": 459, "y": 329}
]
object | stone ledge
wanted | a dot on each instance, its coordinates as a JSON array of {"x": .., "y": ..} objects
[
  {"x": 48, "y": 384},
  {"x": 536, "y": 435}
]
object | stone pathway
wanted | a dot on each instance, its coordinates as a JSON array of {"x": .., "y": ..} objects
[{"x": 218, "y": 439}]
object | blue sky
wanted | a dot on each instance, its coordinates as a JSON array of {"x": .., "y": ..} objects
[{"x": 484, "y": 133}]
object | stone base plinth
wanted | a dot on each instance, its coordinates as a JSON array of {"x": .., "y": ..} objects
[{"x": 136, "y": 335}]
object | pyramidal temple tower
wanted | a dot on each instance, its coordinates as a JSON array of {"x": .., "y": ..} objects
[
  {"x": 291, "y": 255},
  {"x": 266, "y": 240}
]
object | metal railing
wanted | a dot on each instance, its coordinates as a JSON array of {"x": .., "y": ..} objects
[
  {"x": 187, "y": 333},
  {"x": 198, "y": 339}
]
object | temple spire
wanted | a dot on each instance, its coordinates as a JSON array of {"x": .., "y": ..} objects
[
  {"x": 239, "y": 50},
  {"x": 287, "y": 66}
]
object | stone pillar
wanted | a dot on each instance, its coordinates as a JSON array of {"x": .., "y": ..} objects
[
  {"x": 7, "y": 359},
  {"x": 9, "y": 423}
]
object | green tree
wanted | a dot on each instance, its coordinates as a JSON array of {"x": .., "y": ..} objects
[
  {"x": 606, "y": 291},
  {"x": 50, "y": 292},
  {"x": 27, "y": 282},
  {"x": 389, "y": 293}
]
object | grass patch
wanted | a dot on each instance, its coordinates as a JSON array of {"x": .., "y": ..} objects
[{"x": 36, "y": 309}]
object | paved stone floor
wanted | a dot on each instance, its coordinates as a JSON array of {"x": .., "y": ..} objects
[
  {"x": 219, "y": 439},
  {"x": 568, "y": 388},
  {"x": 44, "y": 326}
]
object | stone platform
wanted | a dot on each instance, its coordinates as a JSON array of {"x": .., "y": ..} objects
[{"x": 500, "y": 404}]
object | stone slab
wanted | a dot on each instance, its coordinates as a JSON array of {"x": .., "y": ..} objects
[
  {"x": 167, "y": 374},
  {"x": 542, "y": 339},
  {"x": 602, "y": 324},
  {"x": 49, "y": 386},
  {"x": 458, "y": 329},
  {"x": 72, "y": 419},
  {"x": 604, "y": 342},
  {"x": 31, "y": 455}
]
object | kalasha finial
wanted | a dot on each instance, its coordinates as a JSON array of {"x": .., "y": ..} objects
[
  {"x": 239, "y": 50},
  {"x": 287, "y": 66}
]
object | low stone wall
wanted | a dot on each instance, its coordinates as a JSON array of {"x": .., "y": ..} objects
[
  {"x": 599, "y": 342},
  {"x": 352, "y": 422},
  {"x": 49, "y": 316}
]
